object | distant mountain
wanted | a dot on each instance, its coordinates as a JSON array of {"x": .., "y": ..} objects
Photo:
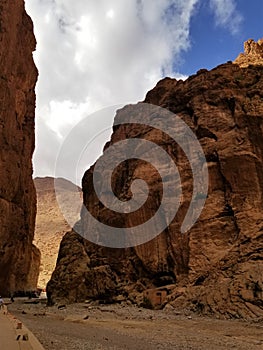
[{"x": 50, "y": 223}]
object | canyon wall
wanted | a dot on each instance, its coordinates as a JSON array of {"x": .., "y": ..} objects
[
  {"x": 217, "y": 266},
  {"x": 19, "y": 258}
]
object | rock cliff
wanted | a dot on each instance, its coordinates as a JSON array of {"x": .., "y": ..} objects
[
  {"x": 217, "y": 266},
  {"x": 19, "y": 258}
]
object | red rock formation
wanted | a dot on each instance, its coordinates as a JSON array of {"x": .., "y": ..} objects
[
  {"x": 217, "y": 266},
  {"x": 19, "y": 259}
]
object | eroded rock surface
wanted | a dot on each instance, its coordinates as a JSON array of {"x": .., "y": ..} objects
[
  {"x": 253, "y": 54},
  {"x": 19, "y": 258},
  {"x": 215, "y": 267}
]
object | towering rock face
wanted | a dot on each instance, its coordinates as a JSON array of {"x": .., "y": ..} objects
[
  {"x": 19, "y": 259},
  {"x": 215, "y": 267}
]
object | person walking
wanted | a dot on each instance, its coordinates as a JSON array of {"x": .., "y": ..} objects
[{"x": 1, "y": 303}]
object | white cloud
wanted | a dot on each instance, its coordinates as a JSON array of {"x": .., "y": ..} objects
[
  {"x": 226, "y": 14},
  {"x": 92, "y": 54}
]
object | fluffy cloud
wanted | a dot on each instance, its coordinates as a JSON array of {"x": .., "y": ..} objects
[
  {"x": 93, "y": 54},
  {"x": 226, "y": 14}
]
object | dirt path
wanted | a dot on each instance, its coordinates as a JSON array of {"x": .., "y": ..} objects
[{"x": 83, "y": 327}]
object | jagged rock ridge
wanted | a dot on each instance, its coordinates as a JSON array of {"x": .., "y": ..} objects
[
  {"x": 217, "y": 266},
  {"x": 253, "y": 54},
  {"x": 19, "y": 258}
]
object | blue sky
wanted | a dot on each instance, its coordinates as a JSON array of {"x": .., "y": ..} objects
[
  {"x": 92, "y": 54},
  {"x": 212, "y": 45}
]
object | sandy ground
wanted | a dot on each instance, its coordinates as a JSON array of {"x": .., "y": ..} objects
[{"x": 118, "y": 327}]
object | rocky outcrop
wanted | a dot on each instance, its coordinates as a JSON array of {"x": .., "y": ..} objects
[
  {"x": 217, "y": 266},
  {"x": 19, "y": 258},
  {"x": 253, "y": 54},
  {"x": 50, "y": 224}
]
